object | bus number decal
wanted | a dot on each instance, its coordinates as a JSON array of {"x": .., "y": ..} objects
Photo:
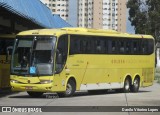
[{"x": 118, "y": 61}]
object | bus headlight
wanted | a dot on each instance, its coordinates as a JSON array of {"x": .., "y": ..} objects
[{"x": 46, "y": 81}]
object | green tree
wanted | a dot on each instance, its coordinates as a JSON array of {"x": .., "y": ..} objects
[
  {"x": 154, "y": 17},
  {"x": 145, "y": 16}
]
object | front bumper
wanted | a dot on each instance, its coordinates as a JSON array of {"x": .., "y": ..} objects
[{"x": 32, "y": 87}]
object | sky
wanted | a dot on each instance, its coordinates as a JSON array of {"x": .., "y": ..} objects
[{"x": 130, "y": 29}]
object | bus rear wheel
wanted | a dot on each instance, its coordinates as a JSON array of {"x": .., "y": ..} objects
[
  {"x": 135, "y": 86},
  {"x": 127, "y": 85},
  {"x": 70, "y": 89},
  {"x": 35, "y": 94}
]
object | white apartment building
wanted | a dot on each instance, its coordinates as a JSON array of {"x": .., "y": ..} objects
[
  {"x": 59, "y": 7},
  {"x": 102, "y": 14},
  {"x": 110, "y": 14},
  {"x": 85, "y": 13}
]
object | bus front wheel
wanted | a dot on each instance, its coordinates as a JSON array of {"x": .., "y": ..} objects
[
  {"x": 35, "y": 94},
  {"x": 70, "y": 89},
  {"x": 135, "y": 86}
]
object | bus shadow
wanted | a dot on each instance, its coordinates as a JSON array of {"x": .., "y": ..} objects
[
  {"x": 143, "y": 91},
  {"x": 77, "y": 94},
  {"x": 110, "y": 92},
  {"x": 45, "y": 95}
]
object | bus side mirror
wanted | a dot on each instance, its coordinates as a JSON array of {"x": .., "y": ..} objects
[{"x": 8, "y": 52}]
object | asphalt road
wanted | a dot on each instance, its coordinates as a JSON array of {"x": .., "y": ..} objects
[{"x": 149, "y": 96}]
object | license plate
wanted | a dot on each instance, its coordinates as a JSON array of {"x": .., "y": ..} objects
[{"x": 29, "y": 87}]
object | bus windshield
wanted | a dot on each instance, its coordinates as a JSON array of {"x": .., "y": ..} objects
[{"x": 33, "y": 56}]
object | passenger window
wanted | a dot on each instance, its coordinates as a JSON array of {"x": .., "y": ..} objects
[
  {"x": 150, "y": 46},
  {"x": 85, "y": 46},
  {"x": 75, "y": 46},
  {"x": 113, "y": 46},
  {"x": 144, "y": 46},
  {"x": 121, "y": 46},
  {"x": 135, "y": 48},
  {"x": 99, "y": 46},
  {"x": 128, "y": 47}
]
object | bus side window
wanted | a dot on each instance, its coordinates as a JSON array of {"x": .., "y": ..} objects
[
  {"x": 99, "y": 46},
  {"x": 128, "y": 47},
  {"x": 85, "y": 46},
  {"x": 121, "y": 46},
  {"x": 144, "y": 47},
  {"x": 74, "y": 46},
  {"x": 106, "y": 46},
  {"x": 109, "y": 47},
  {"x": 135, "y": 47},
  {"x": 150, "y": 46},
  {"x": 89, "y": 46},
  {"x": 82, "y": 46},
  {"x": 113, "y": 46}
]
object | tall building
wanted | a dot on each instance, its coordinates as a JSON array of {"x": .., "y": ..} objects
[
  {"x": 101, "y": 14},
  {"x": 66, "y": 9},
  {"x": 110, "y": 14},
  {"x": 85, "y": 13},
  {"x": 59, "y": 7}
]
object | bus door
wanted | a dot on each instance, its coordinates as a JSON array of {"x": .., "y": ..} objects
[{"x": 60, "y": 63}]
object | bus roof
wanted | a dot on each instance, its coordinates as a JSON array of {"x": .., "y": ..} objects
[{"x": 82, "y": 31}]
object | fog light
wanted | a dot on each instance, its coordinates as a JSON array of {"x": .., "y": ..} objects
[{"x": 46, "y": 81}]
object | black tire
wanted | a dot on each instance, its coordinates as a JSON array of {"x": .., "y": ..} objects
[
  {"x": 126, "y": 87},
  {"x": 135, "y": 86},
  {"x": 70, "y": 89},
  {"x": 35, "y": 94}
]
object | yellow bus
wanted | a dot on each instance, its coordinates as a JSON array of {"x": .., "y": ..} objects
[
  {"x": 72, "y": 59},
  {"x": 6, "y": 46}
]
